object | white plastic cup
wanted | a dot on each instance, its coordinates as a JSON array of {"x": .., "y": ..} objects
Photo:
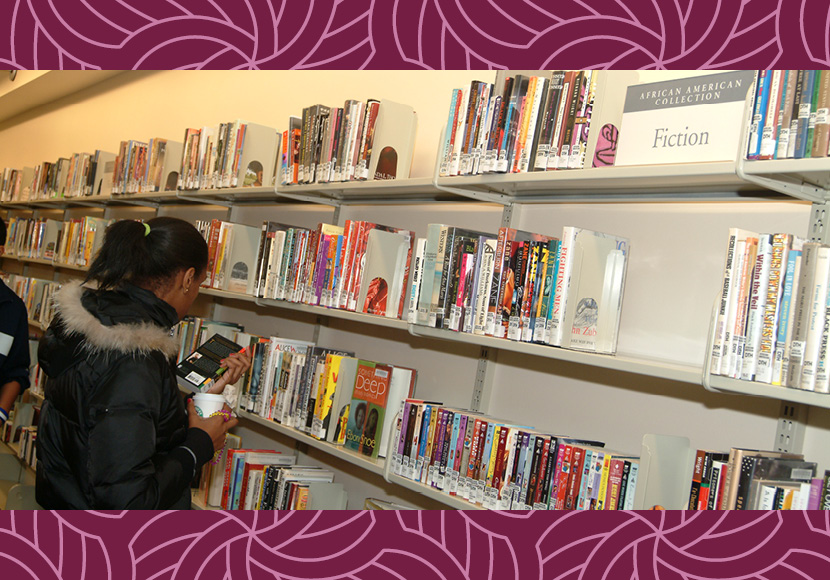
[{"x": 208, "y": 403}]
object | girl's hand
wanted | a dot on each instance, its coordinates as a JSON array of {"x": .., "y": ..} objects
[
  {"x": 237, "y": 364},
  {"x": 216, "y": 426}
]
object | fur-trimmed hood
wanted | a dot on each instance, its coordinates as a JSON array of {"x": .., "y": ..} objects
[{"x": 136, "y": 321}]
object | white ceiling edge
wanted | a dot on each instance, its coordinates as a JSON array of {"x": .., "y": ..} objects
[{"x": 31, "y": 89}]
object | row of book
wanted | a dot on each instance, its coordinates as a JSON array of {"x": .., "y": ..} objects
[
  {"x": 67, "y": 177},
  {"x": 327, "y": 393},
  {"x": 361, "y": 266},
  {"x": 232, "y": 255},
  {"x": 531, "y": 123},
  {"x": 774, "y": 311},
  {"x": 233, "y": 154},
  {"x": 21, "y": 430},
  {"x": 73, "y": 242},
  {"x": 262, "y": 479},
  {"x": 500, "y": 465},
  {"x": 751, "y": 479},
  {"x": 36, "y": 295},
  {"x": 521, "y": 285},
  {"x": 146, "y": 167},
  {"x": 790, "y": 115},
  {"x": 355, "y": 142},
  {"x": 310, "y": 388}
]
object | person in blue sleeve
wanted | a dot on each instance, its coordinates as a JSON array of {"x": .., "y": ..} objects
[{"x": 14, "y": 343}]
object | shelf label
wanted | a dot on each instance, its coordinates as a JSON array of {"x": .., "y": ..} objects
[{"x": 689, "y": 120}]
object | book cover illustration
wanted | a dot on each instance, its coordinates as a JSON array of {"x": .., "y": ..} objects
[{"x": 368, "y": 406}]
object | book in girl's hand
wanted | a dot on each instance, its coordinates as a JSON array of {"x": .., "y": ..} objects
[{"x": 201, "y": 368}]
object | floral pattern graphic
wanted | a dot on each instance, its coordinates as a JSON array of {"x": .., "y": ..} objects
[
  {"x": 439, "y": 545},
  {"x": 395, "y": 34}
]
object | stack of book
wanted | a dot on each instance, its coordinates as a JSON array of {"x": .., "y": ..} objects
[
  {"x": 262, "y": 479},
  {"x": 232, "y": 255},
  {"x": 362, "y": 266},
  {"x": 535, "y": 123},
  {"x": 35, "y": 238},
  {"x": 356, "y": 142},
  {"x": 326, "y": 393},
  {"x": 790, "y": 115},
  {"x": 773, "y": 315},
  {"x": 76, "y": 176},
  {"x": 522, "y": 286},
  {"x": 11, "y": 185},
  {"x": 500, "y": 465},
  {"x": 73, "y": 242},
  {"x": 146, "y": 167},
  {"x": 36, "y": 295},
  {"x": 234, "y": 154},
  {"x": 750, "y": 479}
]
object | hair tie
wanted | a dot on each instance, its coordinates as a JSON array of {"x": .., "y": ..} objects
[{"x": 146, "y": 229}]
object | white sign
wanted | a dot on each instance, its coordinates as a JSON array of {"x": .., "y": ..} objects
[{"x": 688, "y": 120}]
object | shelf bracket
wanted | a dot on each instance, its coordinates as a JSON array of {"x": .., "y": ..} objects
[
  {"x": 483, "y": 386},
  {"x": 792, "y": 425},
  {"x": 783, "y": 184},
  {"x": 819, "y": 214},
  {"x": 486, "y": 196}
]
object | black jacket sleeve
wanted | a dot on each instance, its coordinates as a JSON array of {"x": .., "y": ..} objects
[
  {"x": 14, "y": 343},
  {"x": 126, "y": 468}
]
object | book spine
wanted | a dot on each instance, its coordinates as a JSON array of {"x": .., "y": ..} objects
[
  {"x": 784, "y": 316},
  {"x": 821, "y": 135},
  {"x": 768, "y": 133},
  {"x": 762, "y": 82},
  {"x": 804, "y": 110},
  {"x": 560, "y": 290}
]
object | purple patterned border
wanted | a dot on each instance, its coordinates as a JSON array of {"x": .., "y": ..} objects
[
  {"x": 401, "y": 34},
  {"x": 396, "y": 34},
  {"x": 424, "y": 545}
]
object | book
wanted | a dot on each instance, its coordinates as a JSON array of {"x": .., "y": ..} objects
[
  {"x": 368, "y": 408},
  {"x": 202, "y": 367}
]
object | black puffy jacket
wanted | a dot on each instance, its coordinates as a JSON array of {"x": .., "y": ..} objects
[{"x": 113, "y": 432}]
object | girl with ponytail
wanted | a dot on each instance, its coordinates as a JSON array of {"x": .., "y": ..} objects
[{"x": 114, "y": 432}]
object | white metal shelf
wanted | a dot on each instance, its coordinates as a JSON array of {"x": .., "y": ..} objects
[
  {"x": 815, "y": 171},
  {"x": 393, "y": 191},
  {"x": 336, "y": 313},
  {"x": 640, "y": 183},
  {"x": 452, "y": 501},
  {"x": 755, "y": 389},
  {"x": 620, "y": 362},
  {"x": 372, "y": 465},
  {"x": 228, "y": 295}
]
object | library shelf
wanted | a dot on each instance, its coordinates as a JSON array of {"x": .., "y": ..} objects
[
  {"x": 620, "y": 362},
  {"x": 38, "y": 324},
  {"x": 451, "y": 501},
  {"x": 43, "y": 262},
  {"x": 236, "y": 195},
  {"x": 372, "y": 465},
  {"x": 393, "y": 191},
  {"x": 807, "y": 179},
  {"x": 638, "y": 183},
  {"x": 336, "y": 313},
  {"x": 226, "y": 295},
  {"x": 197, "y": 503},
  {"x": 721, "y": 384}
]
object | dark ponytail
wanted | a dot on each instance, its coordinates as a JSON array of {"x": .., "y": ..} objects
[{"x": 131, "y": 254}]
